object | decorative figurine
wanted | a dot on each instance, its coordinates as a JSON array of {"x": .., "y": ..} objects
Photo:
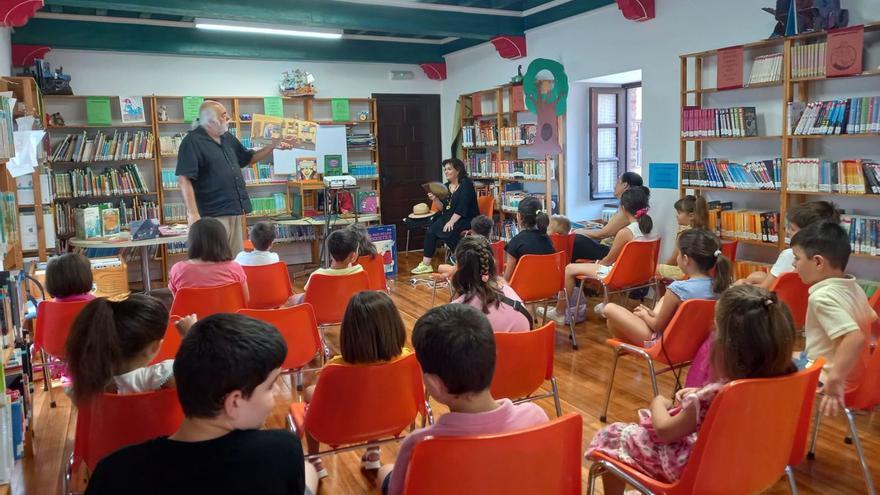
[
  {"x": 518, "y": 78},
  {"x": 297, "y": 83},
  {"x": 363, "y": 115},
  {"x": 245, "y": 117},
  {"x": 812, "y": 15},
  {"x": 163, "y": 113},
  {"x": 56, "y": 120}
]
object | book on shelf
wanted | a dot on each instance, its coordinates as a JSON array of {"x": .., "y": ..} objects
[
  {"x": 174, "y": 212},
  {"x": 719, "y": 173},
  {"x": 699, "y": 122},
  {"x": 766, "y": 69},
  {"x": 78, "y": 183},
  {"x": 864, "y": 233},
  {"x": 510, "y": 200},
  {"x": 9, "y": 230},
  {"x": 122, "y": 145},
  {"x": 169, "y": 179},
  {"x": 855, "y": 177},
  {"x": 368, "y": 202},
  {"x": 291, "y": 233},
  {"x": 488, "y": 134},
  {"x": 744, "y": 268},
  {"x": 808, "y": 59},
  {"x": 267, "y": 206},
  {"x": 7, "y": 146},
  {"x": 750, "y": 225},
  {"x": 359, "y": 140},
  {"x": 260, "y": 173},
  {"x": 169, "y": 145},
  {"x": 487, "y": 165},
  {"x": 859, "y": 115},
  {"x": 368, "y": 170},
  {"x": 94, "y": 221}
]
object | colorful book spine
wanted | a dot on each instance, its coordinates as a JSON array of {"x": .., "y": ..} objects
[
  {"x": 859, "y": 115},
  {"x": 731, "y": 122}
]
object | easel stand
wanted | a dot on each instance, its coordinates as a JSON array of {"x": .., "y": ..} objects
[{"x": 325, "y": 253}]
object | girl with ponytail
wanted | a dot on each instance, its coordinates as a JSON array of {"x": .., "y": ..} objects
[
  {"x": 532, "y": 238},
  {"x": 691, "y": 212},
  {"x": 476, "y": 282},
  {"x": 708, "y": 275},
  {"x": 111, "y": 344}
]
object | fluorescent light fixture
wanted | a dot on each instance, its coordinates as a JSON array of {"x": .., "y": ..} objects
[{"x": 276, "y": 29}]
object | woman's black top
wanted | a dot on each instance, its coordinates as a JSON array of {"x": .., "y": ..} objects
[{"x": 464, "y": 202}]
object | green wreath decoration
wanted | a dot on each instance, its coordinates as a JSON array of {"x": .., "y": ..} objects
[{"x": 558, "y": 94}]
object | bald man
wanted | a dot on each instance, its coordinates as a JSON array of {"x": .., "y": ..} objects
[{"x": 209, "y": 166}]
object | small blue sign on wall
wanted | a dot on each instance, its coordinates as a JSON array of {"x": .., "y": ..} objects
[{"x": 663, "y": 175}]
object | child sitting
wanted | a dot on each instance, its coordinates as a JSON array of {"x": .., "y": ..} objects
[
  {"x": 477, "y": 283},
  {"x": 210, "y": 260},
  {"x": 559, "y": 224},
  {"x": 456, "y": 349},
  {"x": 798, "y": 217},
  {"x": 225, "y": 371},
  {"x": 262, "y": 236},
  {"x": 754, "y": 340},
  {"x": 699, "y": 253},
  {"x": 365, "y": 244},
  {"x": 634, "y": 207},
  {"x": 839, "y": 318},
  {"x": 480, "y": 225},
  {"x": 372, "y": 332},
  {"x": 111, "y": 344},
  {"x": 343, "y": 247},
  {"x": 69, "y": 278},
  {"x": 532, "y": 237},
  {"x": 690, "y": 212}
]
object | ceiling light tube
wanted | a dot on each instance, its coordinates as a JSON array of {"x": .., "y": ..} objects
[{"x": 272, "y": 29}]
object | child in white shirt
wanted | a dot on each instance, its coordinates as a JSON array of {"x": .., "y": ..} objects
[{"x": 262, "y": 236}]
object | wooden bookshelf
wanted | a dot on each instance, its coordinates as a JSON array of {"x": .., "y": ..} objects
[{"x": 693, "y": 93}]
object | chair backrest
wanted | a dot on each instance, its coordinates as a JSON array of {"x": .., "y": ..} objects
[
  {"x": 115, "y": 421},
  {"x": 541, "y": 459},
  {"x": 539, "y": 276},
  {"x": 329, "y": 294},
  {"x": 375, "y": 268},
  {"x": 486, "y": 205},
  {"x": 498, "y": 253},
  {"x": 357, "y": 403},
  {"x": 793, "y": 292},
  {"x": 524, "y": 360},
  {"x": 747, "y": 436},
  {"x": 564, "y": 243},
  {"x": 170, "y": 343},
  {"x": 52, "y": 327},
  {"x": 631, "y": 267},
  {"x": 801, "y": 434},
  {"x": 299, "y": 328},
  {"x": 875, "y": 303},
  {"x": 728, "y": 249},
  {"x": 866, "y": 393},
  {"x": 268, "y": 285},
  {"x": 206, "y": 301},
  {"x": 686, "y": 331}
]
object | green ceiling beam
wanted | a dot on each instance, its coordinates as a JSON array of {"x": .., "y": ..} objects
[
  {"x": 194, "y": 42},
  {"x": 321, "y": 13},
  {"x": 563, "y": 11}
]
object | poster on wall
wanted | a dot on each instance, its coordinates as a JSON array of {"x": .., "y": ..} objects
[{"x": 384, "y": 238}]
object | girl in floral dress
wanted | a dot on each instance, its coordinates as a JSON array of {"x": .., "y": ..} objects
[{"x": 754, "y": 340}]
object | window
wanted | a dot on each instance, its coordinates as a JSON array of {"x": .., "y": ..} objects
[{"x": 615, "y": 137}]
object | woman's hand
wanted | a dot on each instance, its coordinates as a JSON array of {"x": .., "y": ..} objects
[{"x": 449, "y": 226}]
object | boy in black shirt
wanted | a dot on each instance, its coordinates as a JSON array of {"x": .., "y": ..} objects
[{"x": 225, "y": 371}]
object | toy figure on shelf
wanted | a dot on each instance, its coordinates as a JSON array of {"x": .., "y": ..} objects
[
  {"x": 812, "y": 15},
  {"x": 163, "y": 113},
  {"x": 518, "y": 78},
  {"x": 245, "y": 117},
  {"x": 55, "y": 120},
  {"x": 298, "y": 83}
]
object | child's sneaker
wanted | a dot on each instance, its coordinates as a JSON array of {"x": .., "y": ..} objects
[
  {"x": 422, "y": 268},
  {"x": 600, "y": 309},
  {"x": 580, "y": 315},
  {"x": 371, "y": 459},
  {"x": 318, "y": 464},
  {"x": 551, "y": 315}
]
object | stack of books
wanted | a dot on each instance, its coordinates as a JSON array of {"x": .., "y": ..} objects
[
  {"x": 169, "y": 145},
  {"x": 766, "y": 69},
  {"x": 121, "y": 146},
  {"x": 80, "y": 183},
  {"x": 269, "y": 206},
  {"x": 719, "y": 122},
  {"x": 864, "y": 233},
  {"x": 843, "y": 116},
  {"x": 808, "y": 60},
  {"x": 363, "y": 141},
  {"x": 719, "y": 173},
  {"x": 842, "y": 177}
]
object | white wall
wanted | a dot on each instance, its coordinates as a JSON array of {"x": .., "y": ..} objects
[{"x": 112, "y": 73}]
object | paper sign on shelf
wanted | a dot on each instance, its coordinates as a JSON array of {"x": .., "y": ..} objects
[
  {"x": 273, "y": 106},
  {"x": 191, "y": 106},
  {"x": 730, "y": 68},
  {"x": 339, "y": 110},
  {"x": 98, "y": 110}
]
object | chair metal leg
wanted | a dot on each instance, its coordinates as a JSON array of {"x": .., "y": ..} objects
[
  {"x": 869, "y": 482},
  {"x": 433, "y": 292},
  {"x": 604, "y": 417},
  {"x": 47, "y": 377},
  {"x": 792, "y": 484},
  {"x": 572, "y": 322},
  {"x": 653, "y": 376},
  {"x": 816, "y": 418},
  {"x": 596, "y": 470},
  {"x": 45, "y": 371},
  {"x": 555, "y": 388},
  {"x": 406, "y": 250},
  {"x": 324, "y": 343}
]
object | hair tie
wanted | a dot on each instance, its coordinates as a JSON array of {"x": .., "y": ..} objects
[
  {"x": 641, "y": 213},
  {"x": 718, "y": 253},
  {"x": 768, "y": 302},
  {"x": 537, "y": 212},
  {"x": 485, "y": 277}
]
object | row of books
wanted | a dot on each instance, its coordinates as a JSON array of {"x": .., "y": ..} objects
[
  {"x": 7, "y": 146},
  {"x": 363, "y": 169},
  {"x": 123, "y": 145},
  {"x": 292, "y": 233},
  {"x": 260, "y": 173},
  {"x": 719, "y": 122},
  {"x": 766, "y": 69},
  {"x": 510, "y": 199},
  {"x": 360, "y": 140},
  {"x": 485, "y": 165},
  {"x": 169, "y": 179},
  {"x": 843, "y": 177},
  {"x": 808, "y": 59},
  {"x": 748, "y": 225},
  {"x": 272, "y": 205},
  {"x": 844, "y": 116},
  {"x": 9, "y": 231},
  {"x": 174, "y": 212},
  {"x": 864, "y": 233},
  {"x": 79, "y": 183},
  {"x": 744, "y": 268},
  {"x": 169, "y": 145},
  {"x": 488, "y": 134},
  {"x": 718, "y": 172},
  {"x": 139, "y": 210},
  {"x": 96, "y": 221}
]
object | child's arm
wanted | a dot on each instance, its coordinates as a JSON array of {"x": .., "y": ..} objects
[
  {"x": 767, "y": 281},
  {"x": 845, "y": 357},
  {"x": 662, "y": 313},
  {"x": 185, "y": 323},
  {"x": 617, "y": 222},
  {"x": 620, "y": 240},
  {"x": 509, "y": 265},
  {"x": 671, "y": 428}
]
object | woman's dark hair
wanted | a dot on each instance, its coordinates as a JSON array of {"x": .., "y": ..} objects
[
  {"x": 365, "y": 244},
  {"x": 635, "y": 202},
  {"x": 106, "y": 335},
  {"x": 704, "y": 248},
  {"x": 372, "y": 329},
  {"x": 457, "y": 165},
  {"x": 806, "y": 214},
  {"x": 68, "y": 275},
  {"x": 696, "y": 205},
  {"x": 208, "y": 241},
  {"x": 755, "y": 336},
  {"x": 632, "y": 179},
  {"x": 531, "y": 214},
  {"x": 474, "y": 261}
]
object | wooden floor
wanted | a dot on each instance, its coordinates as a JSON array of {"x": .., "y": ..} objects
[{"x": 581, "y": 374}]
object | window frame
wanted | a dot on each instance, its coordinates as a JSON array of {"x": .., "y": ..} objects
[
  {"x": 626, "y": 88},
  {"x": 620, "y": 93}
]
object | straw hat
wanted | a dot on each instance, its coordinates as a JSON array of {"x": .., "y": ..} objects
[{"x": 421, "y": 210}]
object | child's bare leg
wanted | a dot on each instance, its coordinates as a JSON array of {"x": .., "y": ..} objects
[
  {"x": 612, "y": 485},
  {"x": 754, "y": 278},
  {"x": 313, "y": 445},
  {"x": 572, "y": 271},
  {"x": 445, "y": 269},
  {"x": 627, "y": 326}
]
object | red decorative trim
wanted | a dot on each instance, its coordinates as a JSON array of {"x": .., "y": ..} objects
[
  {"x": 511, "y": 47},
  {"x": 436, "y": 71},
  {"x": 637, "y": 10},
  {"x": 24, "y": 55},
  {"x": 16, "y": 13}
]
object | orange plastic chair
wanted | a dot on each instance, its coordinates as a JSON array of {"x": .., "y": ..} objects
[
  {"x": 498, "y": 253},
  {"x": 564, "y": 243},
  {"x": 684, "y": 334},
  {"x": 375, "y": 268},
  {"x": 247, "y": 245},
  {"x": 541, "y": 459},
  {"x": 799, "y": 447},
  {"x": 486, "y": 205},
  {"x": 268, "y": 285},
  {"x": 362, "y": 404},
  {"x": 329, "y": 294},
  {"x": 744, "y": 442},
  {"x": 298, "y": 326},
  {"x": 794, "y": 293},
  {"x": 524, "y": 360},
  {"x": 52, "y": 327},
  {"x": 538, "y": 279},
  {"x": 728, "y": 249}
]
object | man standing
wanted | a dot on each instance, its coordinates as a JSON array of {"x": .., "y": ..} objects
[{"x": 209, "y": 166}]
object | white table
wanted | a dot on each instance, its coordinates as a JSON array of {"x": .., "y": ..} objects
[{"x": 144, "y": 246}]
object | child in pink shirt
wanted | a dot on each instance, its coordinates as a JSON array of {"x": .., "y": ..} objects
[
  {"x": 210, "y": 260},
  {"x": 476, "y": 282},
  {"x": 69, "y": 278},
  {"x": 456, "y": 349}
]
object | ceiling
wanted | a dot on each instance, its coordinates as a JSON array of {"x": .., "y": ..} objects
[{"x": 404, "y": 31}]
